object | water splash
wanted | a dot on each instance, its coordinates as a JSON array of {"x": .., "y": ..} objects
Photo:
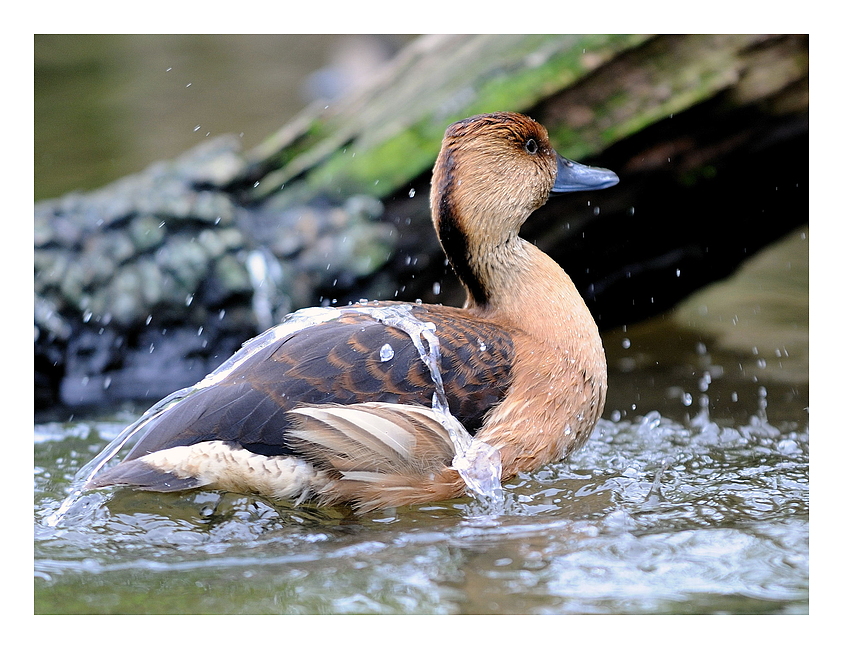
[
  {"x": 265, "y": 276},
  {"x": 478, "y": 463},
  {"x": 84, "y": 475},
  {"x": 291, "y": 324}
]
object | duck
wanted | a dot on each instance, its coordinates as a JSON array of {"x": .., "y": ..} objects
[{"x": 342, "y": 410}]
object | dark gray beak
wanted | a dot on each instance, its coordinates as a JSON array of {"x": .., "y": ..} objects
[{"x": 575, "y": 177}]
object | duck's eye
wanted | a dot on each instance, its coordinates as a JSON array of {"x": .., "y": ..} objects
[{"x": 531, "y": 147}]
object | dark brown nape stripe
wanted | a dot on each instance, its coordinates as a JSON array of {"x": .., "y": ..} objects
[{"x": 454, "y": 239}]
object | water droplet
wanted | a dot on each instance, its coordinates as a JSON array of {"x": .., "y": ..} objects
[
  {"x": 437, "y": 288},
  {"x": 481, "y": 344},
  {"x": 625, "y": 343},
  {"x": 412, "y": 193},
  {"x": 387, "y": 353}
]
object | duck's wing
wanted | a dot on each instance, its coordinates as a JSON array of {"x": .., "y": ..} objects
[
  {"x": 352, "y": 359},
  {"x": 377, "y": 454}
]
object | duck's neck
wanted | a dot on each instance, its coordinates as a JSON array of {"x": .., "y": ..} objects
[
  {"x": 506, "y": 278},
  {"x": 522, "y": 286}
]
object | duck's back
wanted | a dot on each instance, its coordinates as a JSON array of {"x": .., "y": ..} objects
[{"x": 350, "y": 360}]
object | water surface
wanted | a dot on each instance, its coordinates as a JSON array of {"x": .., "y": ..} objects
[{"x": 679, "y": 510}]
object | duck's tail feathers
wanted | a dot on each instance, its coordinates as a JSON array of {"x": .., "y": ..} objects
[
  {"x": 140, "y": 475},
  {"x": 381, "y": 454}
]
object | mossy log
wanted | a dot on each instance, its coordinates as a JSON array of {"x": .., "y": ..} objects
[
  {"x": 192, "y": 256},
  {"x": 389, "y": 132},
  {"x": 600, "y": 89}
]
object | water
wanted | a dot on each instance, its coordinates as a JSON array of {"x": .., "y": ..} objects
[
  {"x": 691, "y": 497},
  {"x": 676, "y": 511},
  {"x": 291, "y": 324},
  {"x": 108, "y": 105}
]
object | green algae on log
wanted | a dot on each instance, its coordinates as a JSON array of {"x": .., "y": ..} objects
[
  {"x": 595, "y": 90},
  {"x": 389, "y": 132}
]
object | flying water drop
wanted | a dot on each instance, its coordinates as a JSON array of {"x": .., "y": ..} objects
[{"x": 387, "y": 353}]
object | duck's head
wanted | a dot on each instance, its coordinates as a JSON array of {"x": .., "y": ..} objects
[{"x": 492, "y": 172}]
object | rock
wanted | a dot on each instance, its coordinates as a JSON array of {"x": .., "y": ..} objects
[{"x": 144, "y": 286}]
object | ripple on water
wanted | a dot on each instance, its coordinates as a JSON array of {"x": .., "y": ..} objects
[
  {"x": 648, "y": 572},
  {"x": 649, "y": 516}
]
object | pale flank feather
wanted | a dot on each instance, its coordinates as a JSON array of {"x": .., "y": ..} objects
[
  {"x": 381, "y": 454},
  {"x": 220, "y": 466}
]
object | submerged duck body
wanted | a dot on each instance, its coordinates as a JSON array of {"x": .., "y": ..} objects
[{"x": 343, "y": 410}]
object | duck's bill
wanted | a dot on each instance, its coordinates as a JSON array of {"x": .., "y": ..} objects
[{"x": 575, "y": 177}]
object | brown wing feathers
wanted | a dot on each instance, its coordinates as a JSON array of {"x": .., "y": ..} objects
[
  {"x": 378, "y": 453},
  {"x": 339, "y": 362},
  {"x": 370, "y": 437}
]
